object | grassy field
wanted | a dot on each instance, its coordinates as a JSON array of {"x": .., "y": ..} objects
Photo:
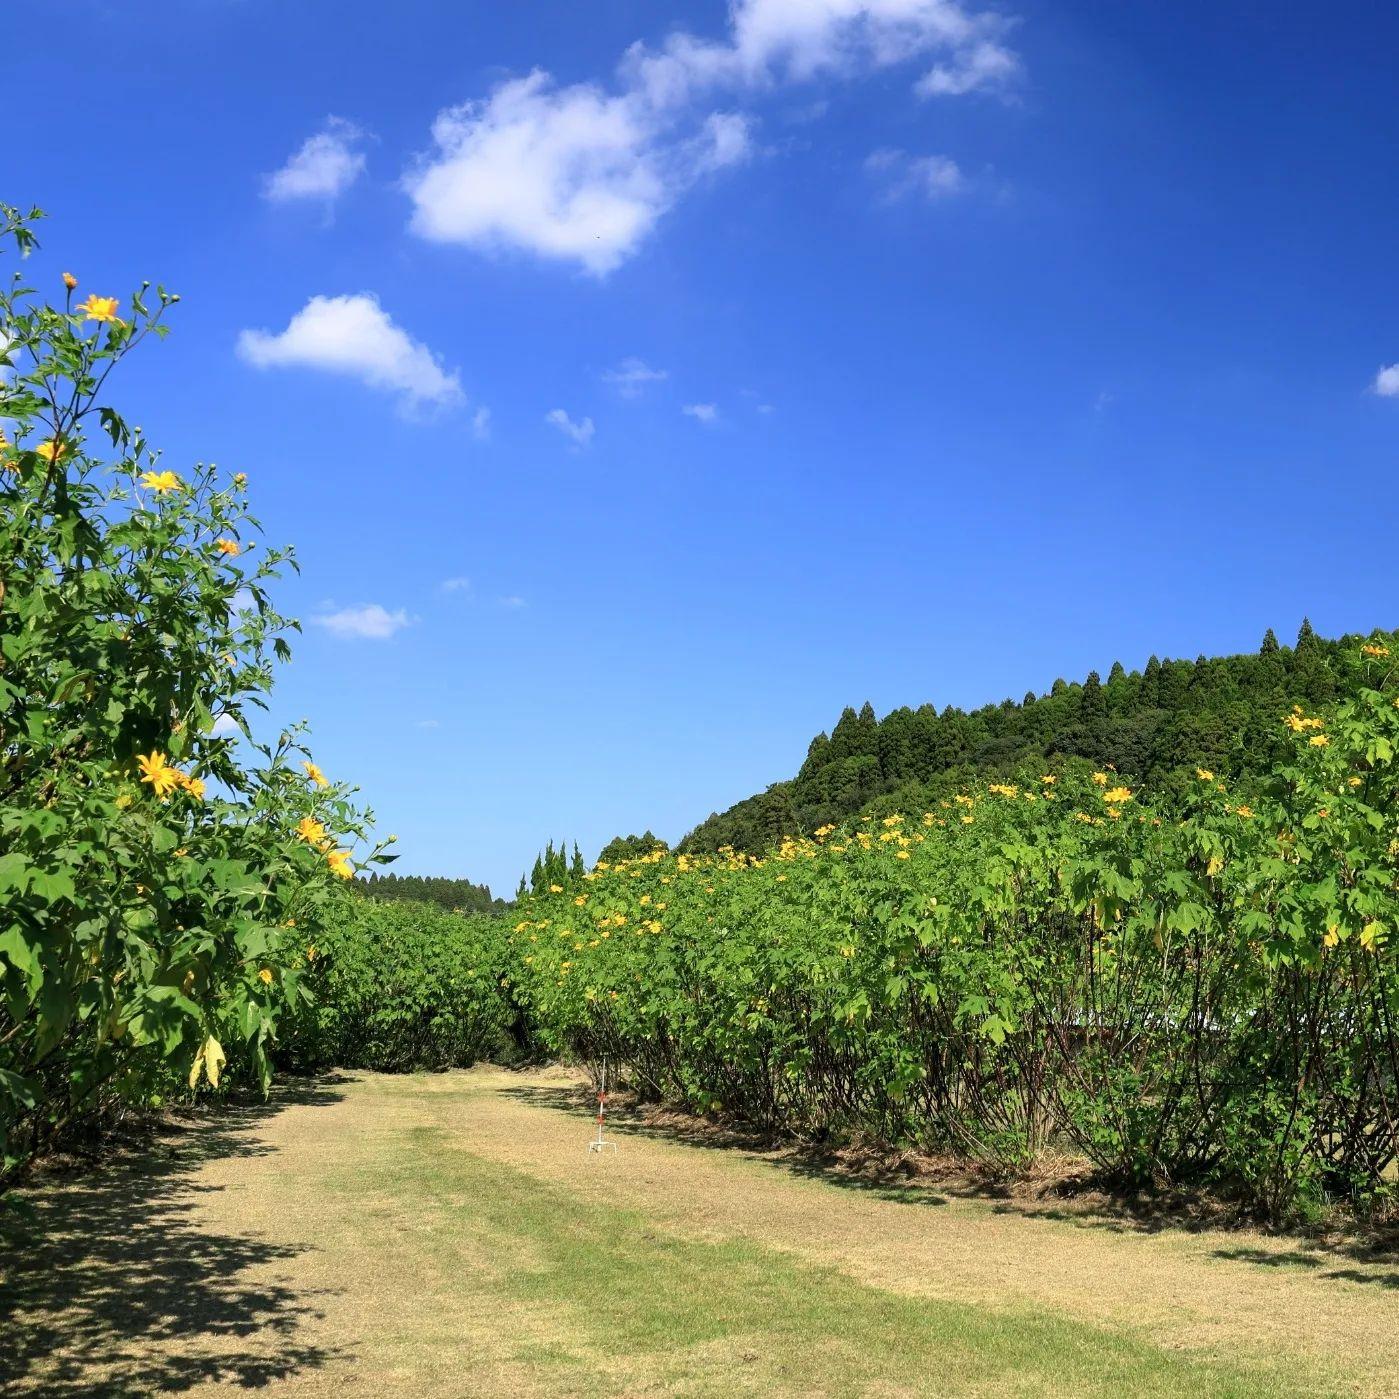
[{"x": 448, "y": 1234}]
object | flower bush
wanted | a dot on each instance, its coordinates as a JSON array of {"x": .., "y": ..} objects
[
  {"x": 158, "y": 889},
  {"x": 1204, "y": 993}
]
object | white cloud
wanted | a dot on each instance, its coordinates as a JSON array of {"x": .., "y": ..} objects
[
  {"x": 581, "y": 433},
  {"x": 354, "y": 335},
  {"x": 773, "y": 41},
  {"x": 370, "y": 622},
  {"x": 429, "y": 723},
  {"x": 481, "y": 424},
  {"x": 582, "y": 174},
  {"x": 929, "y": 176},
  {"x": 513, "y": 601},
  {"x": 632, "y": 376},
  {"x": 702, "y": 412},
  {"x": 1387, "y": 381},
  {"x": 325, "y": 166},
  {"x": 455, "y": 585},
  {"x": 563, "y": 172},
  {"x": 985, "y": 66}
]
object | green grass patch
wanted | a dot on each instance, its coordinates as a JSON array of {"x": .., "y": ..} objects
[{"x": 592, "y": 1293}]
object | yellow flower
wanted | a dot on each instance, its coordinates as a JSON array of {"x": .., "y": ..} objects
[
  {"x": 231, "y": 547},
  {"x": 556, "y": 888},
  {"x": 99, "y": 308},
  {"x": 50, "y": 450},
  {"x": 1048, "y": 780},
  {"x": 265, "y": 976},
  {"x": 339, "y": 862},
  {"x": 1245, "y": 811},
  {"x": 1204, "y": 774},
  {"x": 1118, "y": 795},
  {"x": 967, "y": 820},
  {"x": 1375, "y": 649},
  {"x": 1318, "y": 741},
  {"x": 901, "y": 854},
  {"x": 581, "y": 900},
  {"x": 158, "y": 773},
  {"x": 160, "y": 481},
  {"x": 314, "y": 775},
  {"x": 311, "y": 831},
  {"x": 193, "y": 785},
  {"x": 70, "y": 281},
  {"x": 1101, "y": 778},
  {"x": 240, "y": 479}
]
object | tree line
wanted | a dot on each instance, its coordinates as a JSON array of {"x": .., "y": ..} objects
[{"x": 1156, "y": 725}]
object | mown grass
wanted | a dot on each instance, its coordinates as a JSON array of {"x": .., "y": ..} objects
[{"x": 591, "y": 1293}]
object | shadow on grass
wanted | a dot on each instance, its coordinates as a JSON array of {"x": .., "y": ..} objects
[
  {"x": 811, "y": 1164},
  {"x": 1084, "y": 1204},
  {"x": 113, "y": 1286}
]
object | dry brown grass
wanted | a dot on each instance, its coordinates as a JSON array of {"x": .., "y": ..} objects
[{"x": 341, "y": 1242}]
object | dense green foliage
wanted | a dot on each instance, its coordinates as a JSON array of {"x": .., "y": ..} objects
[
  {"x": 1154, "y": 726},
  {"x": 629, "y": 847},
  {"x": 402, "y": 986},
  {"x": 1198, "y": 989},
  {"x": 456, "y": 895},
  {"x": 157, "y": 884}
]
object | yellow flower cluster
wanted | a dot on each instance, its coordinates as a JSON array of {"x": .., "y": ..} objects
[{"x": 164, "y": 778}]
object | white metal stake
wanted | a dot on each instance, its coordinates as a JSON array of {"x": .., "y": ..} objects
[{"x": 598, "y": 1144}]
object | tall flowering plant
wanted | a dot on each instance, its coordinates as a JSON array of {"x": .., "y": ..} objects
[{"x": 161, "y": 874}]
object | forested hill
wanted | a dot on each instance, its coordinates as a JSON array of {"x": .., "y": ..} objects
[
  {"x": 1153, "y": 725},
  {"x": 457, "y": 895}
]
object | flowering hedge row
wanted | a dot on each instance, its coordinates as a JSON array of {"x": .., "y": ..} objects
[
  {"x": 1205, "y": 995},
  {"x": 401, "y": 986},
  {"x": 160, "y": 884}
]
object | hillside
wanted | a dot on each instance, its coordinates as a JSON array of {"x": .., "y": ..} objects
[{"x": 1153, "y": 725}]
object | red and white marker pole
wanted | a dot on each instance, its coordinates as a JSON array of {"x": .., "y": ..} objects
[{"x": 598, "y": 1144}]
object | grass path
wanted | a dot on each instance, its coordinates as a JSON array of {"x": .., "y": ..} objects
[{"x": 449, "y": 1235}]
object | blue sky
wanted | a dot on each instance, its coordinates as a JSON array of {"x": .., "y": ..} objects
[{"x": 1013, "y": 342}]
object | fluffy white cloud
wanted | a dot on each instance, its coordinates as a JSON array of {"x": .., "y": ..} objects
[
  {"x": 354, "y": 335},
  {"x": 580, "y": 433},
  {"x": 325, "y": 166},
  {"x": 368, "y": 623},
  {"x": 582, "y": 174},
  {"x": 568, "y": 173},
  {"x": 702, "y": 412},
  {"x": 1387, "y": 381},
  {"x": 632, "y": 376},
  {"x": 931, "y": 176}
]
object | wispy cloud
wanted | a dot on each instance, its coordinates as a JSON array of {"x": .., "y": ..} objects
[
  {"x": 429, "y": 723},
  {"x": 513, "y": 601},
  {"x": 583, "y": 173},
  {"x": 702, "y": 412},
  {"x": 481, "y": 424},
  {"x": 354, "y": 336},
  {"x": 455, "y": 585},
  {"x": 1387, "y": 381},
  {"x": 632, "y": 376},
  {"x": 324, "y": 166},
  {"x": 925, "y": 176},
  {"x": 370, "y": 622},
  {"x": 579, "y": 433}
]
